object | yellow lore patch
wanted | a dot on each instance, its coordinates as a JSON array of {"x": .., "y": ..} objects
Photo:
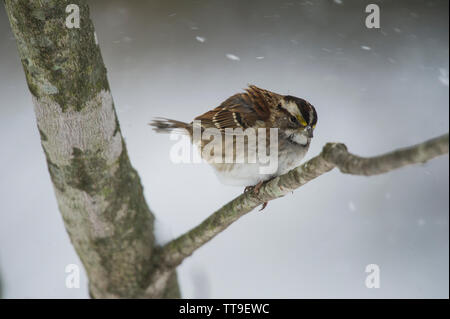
[{"x": 301, "y": 120}]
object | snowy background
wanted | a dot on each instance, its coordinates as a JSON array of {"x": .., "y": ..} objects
[{"x": 374, "y": 90}]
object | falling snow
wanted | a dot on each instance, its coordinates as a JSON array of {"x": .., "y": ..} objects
[
  {"x": 233, "y": 57},
  {"x": 366, "y": 48},
  {"x": 200, "y": 39}
]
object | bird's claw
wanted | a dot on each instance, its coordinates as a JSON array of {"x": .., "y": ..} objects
[
  {"x": 264, "y": 205},
  {"x": 255, "y": 189}
]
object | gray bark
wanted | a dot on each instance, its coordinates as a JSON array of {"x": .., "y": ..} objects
[{"x": 99, "y": 193}]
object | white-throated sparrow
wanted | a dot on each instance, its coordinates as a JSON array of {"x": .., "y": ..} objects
[{"x": 291, "y": 119}]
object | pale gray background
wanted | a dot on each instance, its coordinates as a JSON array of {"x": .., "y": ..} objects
[{"x": 314, "y": 243}]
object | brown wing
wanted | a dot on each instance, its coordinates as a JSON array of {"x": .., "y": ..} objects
[{"x": 241, "y": 110}]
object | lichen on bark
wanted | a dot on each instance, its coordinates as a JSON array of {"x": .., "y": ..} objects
[
  {"x": 99, "y": 193},
  {"x": 62, "y": 63}
]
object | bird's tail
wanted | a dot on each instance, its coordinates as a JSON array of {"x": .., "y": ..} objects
[{"x": 163, "y": 125}]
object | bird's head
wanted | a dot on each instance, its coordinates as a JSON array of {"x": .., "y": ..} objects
[{"x": 296, "y": 118}]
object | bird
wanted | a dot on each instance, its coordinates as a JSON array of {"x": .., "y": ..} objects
[{"x": 282, "y": 124}]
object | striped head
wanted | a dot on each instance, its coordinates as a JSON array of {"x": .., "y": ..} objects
[{"x": 297, "y": 118}]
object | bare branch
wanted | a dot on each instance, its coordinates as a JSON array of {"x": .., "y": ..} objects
[
  {"x": 420, "y": 153},
  {"x": 333, "y": 155}
]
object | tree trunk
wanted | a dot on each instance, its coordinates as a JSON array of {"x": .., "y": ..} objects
[{"x": 99, "y": 193}]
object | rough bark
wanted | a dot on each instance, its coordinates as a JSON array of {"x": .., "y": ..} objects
[
  {"x": 99, "y": 193},
  {"x": 333, "y": 155}
]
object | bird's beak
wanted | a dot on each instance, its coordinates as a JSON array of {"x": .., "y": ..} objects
[{"x": 309, "y": 131}]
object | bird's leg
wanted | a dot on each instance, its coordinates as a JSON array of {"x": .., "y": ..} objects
[
  {"x": 257, "y": 187},
  {"x": 255, "y": 190}
]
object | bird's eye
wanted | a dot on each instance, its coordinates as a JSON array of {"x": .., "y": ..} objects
[{"x": 293, "y": 119}]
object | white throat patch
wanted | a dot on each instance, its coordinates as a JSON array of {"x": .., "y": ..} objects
[{"x": 300, "y": 139}]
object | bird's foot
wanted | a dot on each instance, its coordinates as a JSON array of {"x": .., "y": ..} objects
[
  {"x": 255, "y": 189},
  {"x": 248, "y": 189}
]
